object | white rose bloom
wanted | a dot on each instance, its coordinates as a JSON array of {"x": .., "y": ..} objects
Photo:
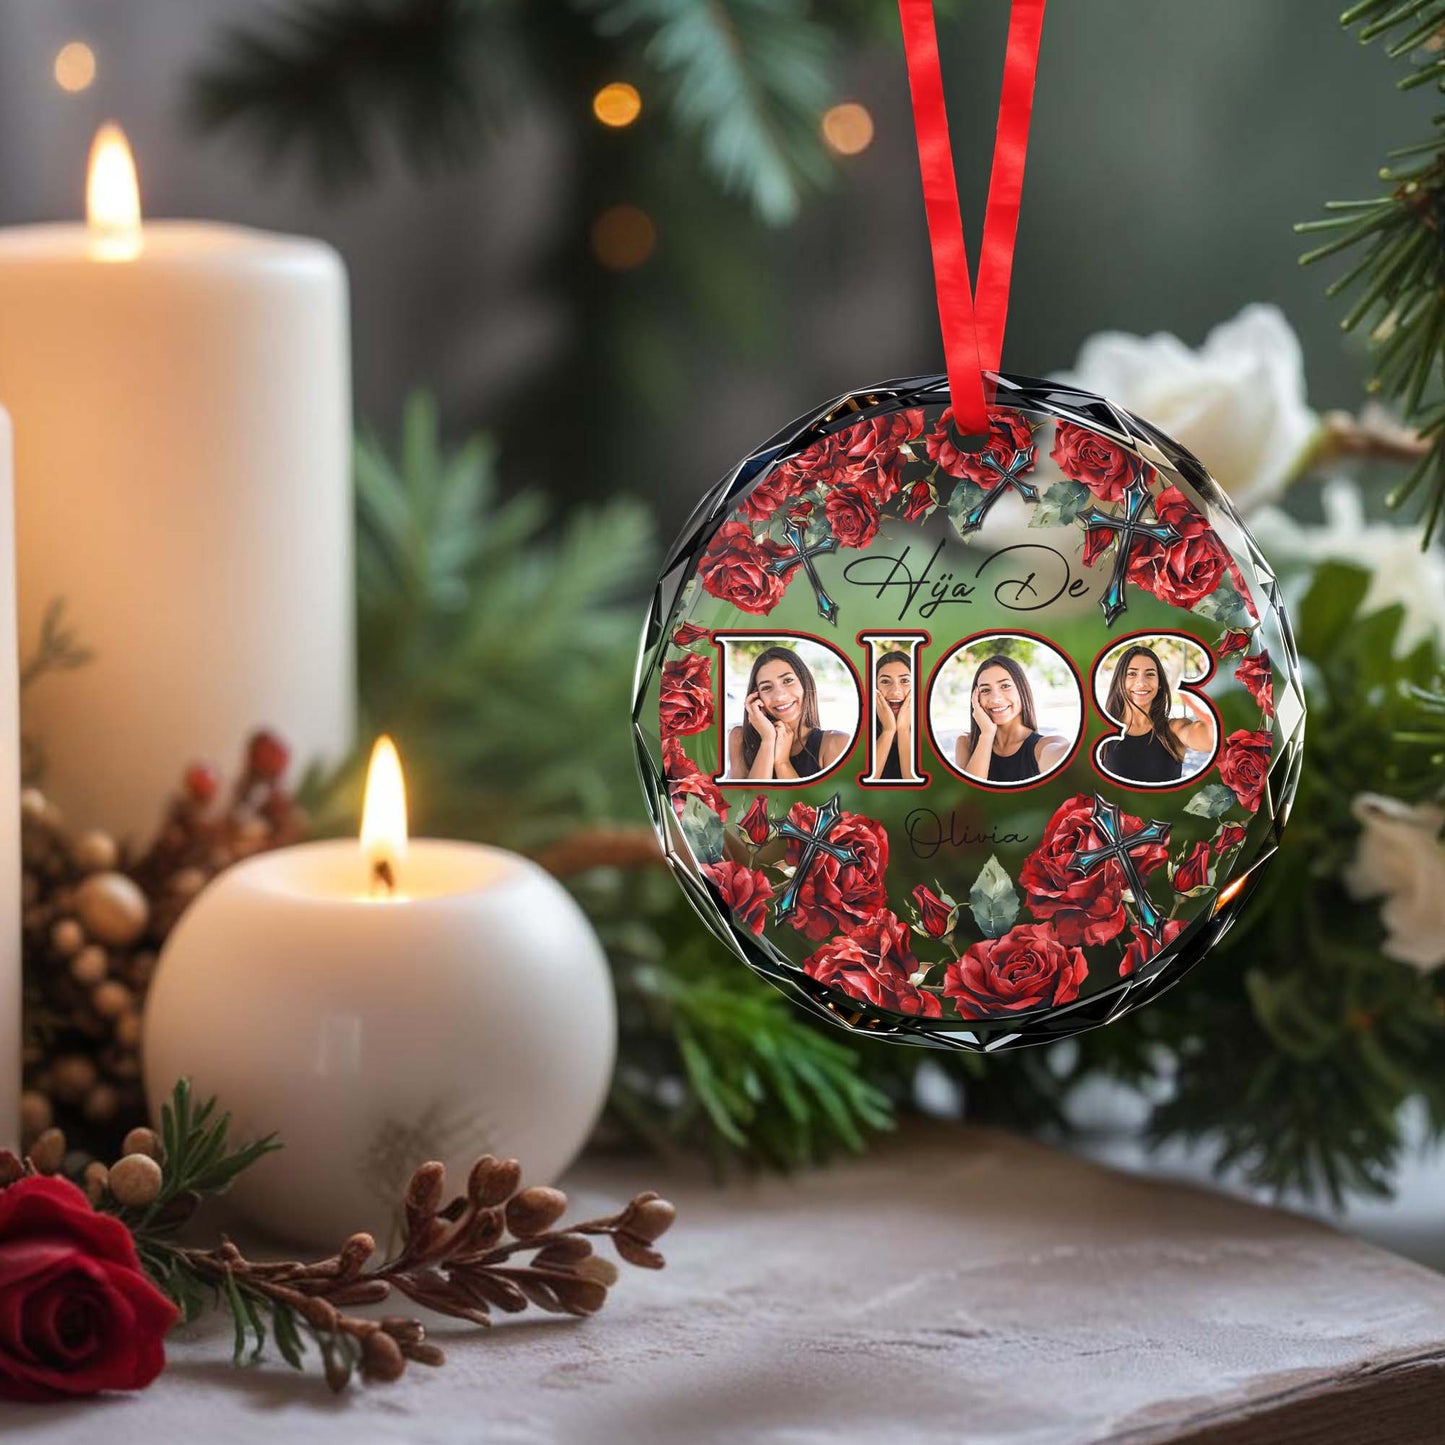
[
  {"x": 1399, "y": 570},
  {"x": 1401, "y": 858},
  {"x": 1238, "y": 403}
]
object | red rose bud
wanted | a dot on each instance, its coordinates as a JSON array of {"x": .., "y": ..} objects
[
  {"x": 1232, "y": 642},
  {"x": 919, "y": 500},
  {"x": 688, "y": 633},
  {"x": 1144, "y": 948},
  {"x": 1193, "y": 872},
  {"x": 267, "y": 755},
  {"x": 1254, "y": 673},
  {"x": 935, "y": 916},
  {"x": 79, "y": 1315},
  {"x": 755, "y": 822},
  {"x": 1230, "y": 835},
  {"x": 202, "y": 782}
]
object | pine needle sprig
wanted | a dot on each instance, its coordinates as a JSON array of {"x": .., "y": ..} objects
[{"x": 1398, "y": 274}]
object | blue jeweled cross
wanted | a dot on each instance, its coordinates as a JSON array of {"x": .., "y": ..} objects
[
  {"x": 1011, "y": 475},
  {"x": 803, "y": 554},
  {"x": 1118, "y": 847},
  {"x": 1125, "y": 530},
  {"x": 814, "y": 842}
]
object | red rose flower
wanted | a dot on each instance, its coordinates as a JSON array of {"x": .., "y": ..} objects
[
  {"x": 686, "y": 701},
  {"x": 775, "y": 490},
  {"x": 755, "y": 822},
  {"x": 873, "y": 962},
  {"x": 836, "y": 897},
  {"x": 685, "y": 778},
  {"x": 745, "y": 891},
  {"x": 1143, "y": 948},
  {"x": 1193, "y": 872},
  {"x": 918, "y": 501},
  {"x": 1027, "y": 968},
  {"x": 1255, "y": 674},
  {"x": 1244, "y": 766},
  {"x": 1230, "y": 835},
  {"x": 1084, "y": 908},
  {"x": 815, "y": 466},
  {"x": 1097, "y": 541},
  {"x": 1008, "y": 433},
  {"x": 1084, "y": 456},
  {"x": 734, "y": 568},
  {"x": 1232, "y": 642},
  {"x": 687, "y": 634},
  {"x": 935, "y": 916},
  {"x": 870, "y": 450},
  {"x": 77, "y": 1315},
  {"x": 1184, "y": 572},
  {"x": 852, "y": 515}
]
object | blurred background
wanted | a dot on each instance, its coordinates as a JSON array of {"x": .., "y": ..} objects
[{"x": 1173, "y": 145}]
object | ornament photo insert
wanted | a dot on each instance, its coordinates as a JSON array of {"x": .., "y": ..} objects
[{"x": 972, "y": 748}]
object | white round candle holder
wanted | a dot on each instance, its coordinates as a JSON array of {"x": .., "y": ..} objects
[{"x": 470, "y": 1013}]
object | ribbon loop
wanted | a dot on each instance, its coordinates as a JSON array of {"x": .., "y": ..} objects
[{"x": 972, "y": 324}]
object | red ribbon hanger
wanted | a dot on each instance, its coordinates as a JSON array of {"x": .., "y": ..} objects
[{"x": 972, "y": 324}]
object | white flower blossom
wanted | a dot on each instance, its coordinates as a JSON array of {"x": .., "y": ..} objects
[
  {"x": 1399, "y": 570},
  {"x": 1238, "y": 403},
  {"x": 1401, "y": 858}
]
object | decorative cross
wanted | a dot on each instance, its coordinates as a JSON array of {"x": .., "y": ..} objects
[
  {"x": 1125, "y": 530},
  {"x": 1118, "y": 847},
  {"x": 803, "y": 554},
  {"x": 814, "y": 843},
  {"x": 1011, "y": 475}
]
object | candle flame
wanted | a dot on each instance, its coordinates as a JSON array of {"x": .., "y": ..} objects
[
  {"x": 112, "y": 196},
  {"x": 383, "y": 817}
]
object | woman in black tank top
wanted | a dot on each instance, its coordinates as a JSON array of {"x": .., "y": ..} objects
[
  {"x": 1150, "y": 747},
  {"x": 893, "y": 719},
  {"x": 781, "y": 739},
  {"x": 1005, "y": 744}
]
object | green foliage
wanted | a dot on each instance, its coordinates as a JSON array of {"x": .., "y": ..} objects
[{"x": 1398, "y": 270}]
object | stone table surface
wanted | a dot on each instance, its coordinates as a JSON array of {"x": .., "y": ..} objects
[{"x": 955, "y": 1284}]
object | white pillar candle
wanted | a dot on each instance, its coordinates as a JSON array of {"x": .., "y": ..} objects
[
  {"x": 380, "y": 1005},
  {"x": 9, "y": 813},
  {"x": 181, "y": 400}
]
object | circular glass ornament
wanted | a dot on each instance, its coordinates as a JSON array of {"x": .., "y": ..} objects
[{"x": 968, "y": 748}]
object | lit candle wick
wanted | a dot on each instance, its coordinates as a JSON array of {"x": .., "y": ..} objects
[
  {"x": 383, "y": 819},
  {"x": 112, "y": 196}
]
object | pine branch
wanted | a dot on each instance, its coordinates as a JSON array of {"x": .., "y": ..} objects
[{"x": 1398, "y": 274}]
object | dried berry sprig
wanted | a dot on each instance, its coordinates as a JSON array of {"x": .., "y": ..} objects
[{"x": 460, "y": 1257}]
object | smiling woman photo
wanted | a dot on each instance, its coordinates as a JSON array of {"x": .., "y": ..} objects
[
  {"x": 1004, "y": 743},
  {"x": 893, "y": 719},
  {"x": 782, "y": 739},
  {"x": 1152, "y": 744}
]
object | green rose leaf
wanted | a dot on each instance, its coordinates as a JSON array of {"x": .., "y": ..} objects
[
  {"x": 1225, "y": 605},
  {"x": 993, "y": 900},
  {"x": 1060, "y": 505},
  {"x": 965, "y": 496},
  {"x": 1211, "y": 801},
  {"x": 703, "y": 830}
]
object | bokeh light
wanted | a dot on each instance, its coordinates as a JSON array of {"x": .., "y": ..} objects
[
  {"x": 848, "y": 128},
  {"x": 623, "y": 237},
  {"x": 74, "y": 66},
  {"x": 617, "y": 104}
]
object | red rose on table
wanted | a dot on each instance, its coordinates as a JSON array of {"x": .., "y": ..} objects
[
  {"x": 77, "y": 1315},
  {"x": 918, "y": 501},
  {"x": 1193, "y": 872},
  {"x": 685, "y": 779},
  {"x": 873, "y": 962},
  {"x": 755, "y": 822},
  {"x": 1232, "y": 642},
  {"x": 1027, "y": 968},
  {"x": 775, "y": 490},
  {"x": 1084, "y": 456},
  {"x": 870, "y": 450},
  {"x": 734, "y": 568},
  {"x": 1143, "y": 948},
  {"x": 1230, "y": 835},
  {"x": 1083, "y": 908},
  {"x": 934, "y": 915},
  {"x": 686, "y": 701},
  {"x": 852, "y": 515},
  {"x": 746, "y": 891},
  {"x": 1244, "y": 766},
  {"x": 687, "y": 634},
  {"x": 1185, "y": 571},
  {"x": 1255, "y": 674},
  {"x": 836, "y": 897},
  {"x": 1008, "y": 433}
]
